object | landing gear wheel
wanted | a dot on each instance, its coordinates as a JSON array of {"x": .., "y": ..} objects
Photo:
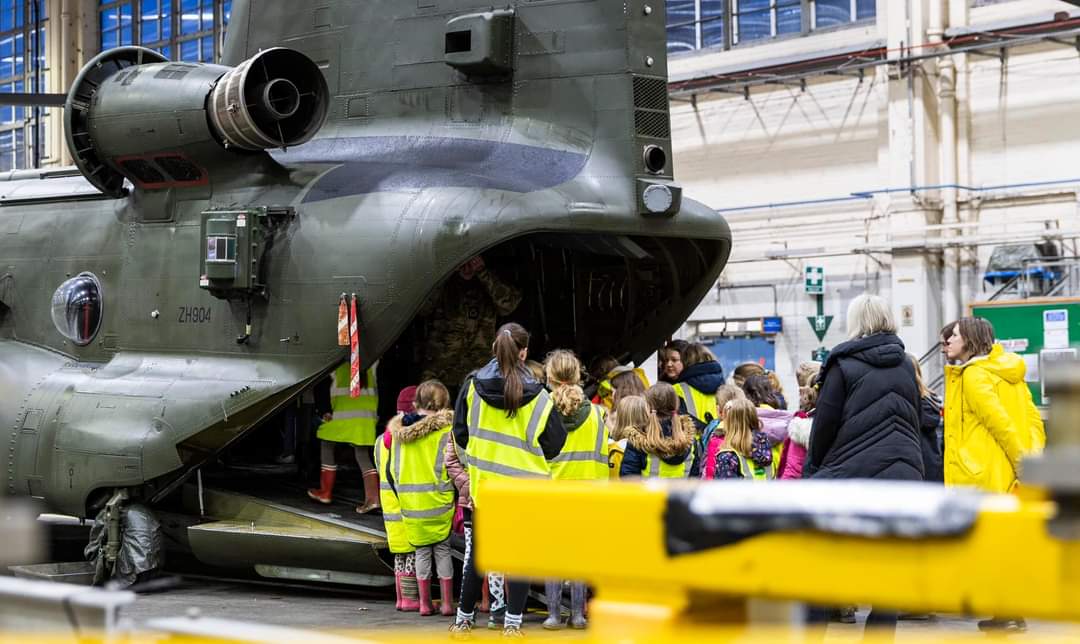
[{"x": 126, "y": 544}]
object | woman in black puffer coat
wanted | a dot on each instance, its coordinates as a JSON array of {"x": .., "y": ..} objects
[
  {"x": 867, "y": 421},
  {"x": 868, "y": 413}
]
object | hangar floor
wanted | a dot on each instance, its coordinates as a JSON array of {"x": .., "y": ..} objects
[{"x": 361, "y": 613}]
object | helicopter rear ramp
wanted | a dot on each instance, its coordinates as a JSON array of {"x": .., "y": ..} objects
[{"x": 279, "y": 536}]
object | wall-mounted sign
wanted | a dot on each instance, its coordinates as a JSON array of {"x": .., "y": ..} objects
[
  {"x": 772, "y": 325},
  {"x": 815, "y": 280}
]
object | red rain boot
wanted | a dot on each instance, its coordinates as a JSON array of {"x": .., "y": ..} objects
[
  {"x": 409, "y": 602},
  {"x": 371, "y": 493},
  {"x": 424, "y": 588},
  {"x": 325, "y": 493},
  {"x": 397, "y": 590},
  {"x": 446, "y": 591}
]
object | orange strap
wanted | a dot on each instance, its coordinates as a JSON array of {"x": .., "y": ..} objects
[
  {"x": 342, "y": 322},
  {"x": 354, "y": 347}
]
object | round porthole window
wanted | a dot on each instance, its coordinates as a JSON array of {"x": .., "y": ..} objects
[{"x": 76, "y": 308}]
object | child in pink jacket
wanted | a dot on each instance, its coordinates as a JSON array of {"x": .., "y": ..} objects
[
  {"x": 724, "y": 395},
  {"x": 794, "y": 453}
]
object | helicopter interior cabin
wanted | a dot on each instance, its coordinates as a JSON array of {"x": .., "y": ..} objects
[{"x": 626, "y": 294}]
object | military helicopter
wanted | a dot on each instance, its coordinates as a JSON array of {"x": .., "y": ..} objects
[{"x": 180, "y": 284}]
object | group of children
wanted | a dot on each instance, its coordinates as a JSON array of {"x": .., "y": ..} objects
[
  {"x": 741, "y": 429},
  {"x": 622, "y": 428}
]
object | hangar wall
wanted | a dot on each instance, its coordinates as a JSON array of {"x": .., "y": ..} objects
[{"x": 846, "y": 174}]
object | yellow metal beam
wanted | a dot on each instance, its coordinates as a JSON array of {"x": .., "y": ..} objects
[{"x": 612, "y": 536}]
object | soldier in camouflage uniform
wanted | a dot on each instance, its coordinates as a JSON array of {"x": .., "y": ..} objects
[{"x": 463, "y": 319}]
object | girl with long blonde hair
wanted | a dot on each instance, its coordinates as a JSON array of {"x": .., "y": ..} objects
[
  {"x": 584, "y": 457},
  {"x": 651, "y": 451},
  {"x": 746, "y": 452}
]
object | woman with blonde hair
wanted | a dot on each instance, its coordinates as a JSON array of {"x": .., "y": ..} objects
[
  {"x": 651, "y": 452},
  {"x": 584, "y": 457},
  {"x": 866, "y": 425}
]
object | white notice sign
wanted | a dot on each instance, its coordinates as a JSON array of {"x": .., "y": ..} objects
[
  {"x": 1031, "y": 360},
  {"x": 1056, "y": 329}
]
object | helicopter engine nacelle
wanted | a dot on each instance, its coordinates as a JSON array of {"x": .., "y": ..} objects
[{"x": 133, "y": 115}]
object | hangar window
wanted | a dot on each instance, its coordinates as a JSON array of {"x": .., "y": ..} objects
[
  {"x": 76, "y": 308},
  {"x": 191, "y": 30},
  {"x": 22, "y": 69},
  {"x": 721, "y": 24}
]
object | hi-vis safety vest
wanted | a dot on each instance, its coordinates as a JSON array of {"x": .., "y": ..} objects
[
  {"x": 616, "y": 451},
  {"x": 750, "y": 469},
  {"x": 501, "y": 447},
  {"x": 777, "y": 455},
  {"x": 396, "y": 536},
  {"x": 584, "y": 457},
  {"x": 354, "y": 418},
  {"x": 698, "y": 404},
  {"x": 424, "y": 489},
  {"x": 655, "y": 467}
]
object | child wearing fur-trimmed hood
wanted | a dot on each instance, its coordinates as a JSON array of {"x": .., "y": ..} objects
[
  {"x": 660, "y": 441},
  {"x": 793, "y": 454},
  {"x": 416, "y": 440}
]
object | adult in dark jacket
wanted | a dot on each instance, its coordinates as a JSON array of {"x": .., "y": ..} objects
[
  {"x": 929, "y": 424},
  {"x": 703, "y": 375},
  {"x": 866, "y": 425},
  {"x": 867, "y": 421}
]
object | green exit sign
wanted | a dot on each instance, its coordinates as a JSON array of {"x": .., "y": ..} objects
[{"x": 815, "y": 280}]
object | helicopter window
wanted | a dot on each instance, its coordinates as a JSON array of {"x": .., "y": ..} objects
[
  {"x": 180, "y": 169},
  {"x": 142, "y": 171},
  {"x": 76, "y": 308},
  {"x": 458, "y": 41},
  {"x": 221, "y": 249}
]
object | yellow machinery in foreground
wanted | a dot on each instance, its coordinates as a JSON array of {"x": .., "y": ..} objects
[
  {"x": 618, "y": 537},
  {"x": 665, "y": 559}
]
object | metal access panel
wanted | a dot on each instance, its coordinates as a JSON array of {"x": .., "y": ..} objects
[
  {"x": 233, "y": 245},
  {"x": 226, "y": 257}
]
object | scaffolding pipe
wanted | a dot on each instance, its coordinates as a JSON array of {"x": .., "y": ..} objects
[{"x": 950, "y": 212}]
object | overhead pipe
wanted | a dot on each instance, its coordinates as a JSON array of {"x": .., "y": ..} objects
[{"x": 869, "y": 194}]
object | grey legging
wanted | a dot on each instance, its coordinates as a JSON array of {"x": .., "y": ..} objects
[{"x": 363, "y": 455}]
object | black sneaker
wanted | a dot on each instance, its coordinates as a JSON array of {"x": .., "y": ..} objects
[
  {"x": 461, "y": 630},
  {"x": 1003, "y": 625},
  {"x": 513, "y": 632}
]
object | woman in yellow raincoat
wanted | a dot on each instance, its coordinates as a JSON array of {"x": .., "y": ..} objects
[{"x": 991, "y": 423}]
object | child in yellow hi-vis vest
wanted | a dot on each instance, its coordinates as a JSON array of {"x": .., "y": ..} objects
[
  {"x": 746, "y": 453},
  {"x": 652, "y": 451},
  {"x": 417, "y": 472},
  {"x": 584, "y": 457}
]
